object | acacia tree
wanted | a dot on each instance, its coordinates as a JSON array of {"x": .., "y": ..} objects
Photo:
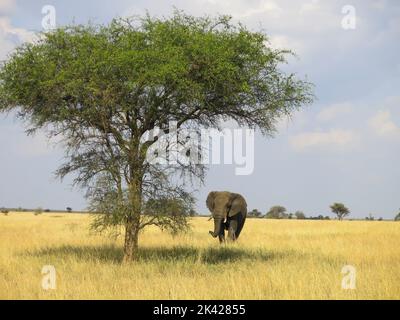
[
  {"x": 254, "y": 213},
  {"x": 276, "y": 212},
  {"x": 101, "y": 89},
  {"x": 340, "y": 210},
  {"x": 300, "y": 215}
]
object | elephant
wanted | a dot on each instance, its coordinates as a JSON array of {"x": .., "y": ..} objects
[{"x": 229, "y": 211}]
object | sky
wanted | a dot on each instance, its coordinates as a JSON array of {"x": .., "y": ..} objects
[{"x": 342, "y": 148}]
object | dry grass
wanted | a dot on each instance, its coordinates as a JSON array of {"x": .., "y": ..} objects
[{"x": 272, "y": 260}]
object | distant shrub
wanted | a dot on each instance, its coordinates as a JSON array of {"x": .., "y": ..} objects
[
  {"x": 397, "y": 218},
  {"x": 4, "y": 211},
  {"x": 276, "y": 212},
  {"x": 38, "y": 211},
  {"x": 370, "y": 218},
  {"x": 47, "y": 210},
  {"x": 300, "y": 215},
  {"x": 320, "y": 217},
  {"x": 254, "y": 213},
  {"x": 69, "y": 209}
]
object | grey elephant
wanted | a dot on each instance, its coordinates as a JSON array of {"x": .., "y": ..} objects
[{"x": 229, "y": 211}]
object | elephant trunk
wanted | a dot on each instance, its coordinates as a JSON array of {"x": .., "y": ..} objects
[{"x": 217, "y": 227}]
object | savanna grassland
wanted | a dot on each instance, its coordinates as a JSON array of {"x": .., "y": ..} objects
[{"x": 273, "y": 259}]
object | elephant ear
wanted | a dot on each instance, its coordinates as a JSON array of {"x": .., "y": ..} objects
[
  {"x": 235, "y": 205},
  {"x": 210, "y": 200}
]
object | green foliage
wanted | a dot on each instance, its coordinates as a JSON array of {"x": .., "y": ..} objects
[
  {"x": 196, "y": 64},
  {"x": 254, "y": 213},
  {"x": 340, "y": 210},
  {"x": 169, "y": 213},
  {"x": 300, "y": 215},
  {"x": 276, "y": 212},
  {"x": 397, "y": 218}
]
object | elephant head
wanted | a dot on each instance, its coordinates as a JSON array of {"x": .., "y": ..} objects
[{"x": 229, "y": 211}]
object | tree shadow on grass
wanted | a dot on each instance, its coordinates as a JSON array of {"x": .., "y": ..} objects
[{"x": 186, "y": 254}]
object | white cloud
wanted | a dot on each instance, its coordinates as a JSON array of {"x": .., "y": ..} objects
[
  {"x": 11, "y": 36},
  {"x": 334, "y": 111},
  {"x": 333, "y": 139},
  {"x": 265, "y": 7},
  {"x": 6, "y": 6},
  {"x": 285, "y": 42},
  {"x": 297, "y": 120},
  {"x": 383, "y": 125},
  {"x": 20, "y": 33},
  {"x": 392, "y": 102},
  {"x": 243, "y": 9},
  {"x": 310, "y": 7}
]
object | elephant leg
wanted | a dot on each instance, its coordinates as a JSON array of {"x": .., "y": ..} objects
[
  {"x": 233, "y": 225},
  {"x": 221, "y": 235},
  {"x": 241, "y": 219}
]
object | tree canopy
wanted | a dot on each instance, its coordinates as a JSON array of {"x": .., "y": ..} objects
[
  {"x": 254, "y": 213},
  {"x": 101, "y": 88},
  {"x": 340, "y": 210},
  {"x": 300, "y": 215},
  {"x": 276, "y": 212}
]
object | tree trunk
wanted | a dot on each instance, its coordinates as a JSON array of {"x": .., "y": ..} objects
[
  {"x": 132, "y": 226},
  {"x": 131, "y": 245}
]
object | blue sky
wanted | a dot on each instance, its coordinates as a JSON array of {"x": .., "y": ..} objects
[{"x": 344, "y": 147}]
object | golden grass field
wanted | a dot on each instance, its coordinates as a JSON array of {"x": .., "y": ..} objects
[{"x": 273, "y": 259}]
